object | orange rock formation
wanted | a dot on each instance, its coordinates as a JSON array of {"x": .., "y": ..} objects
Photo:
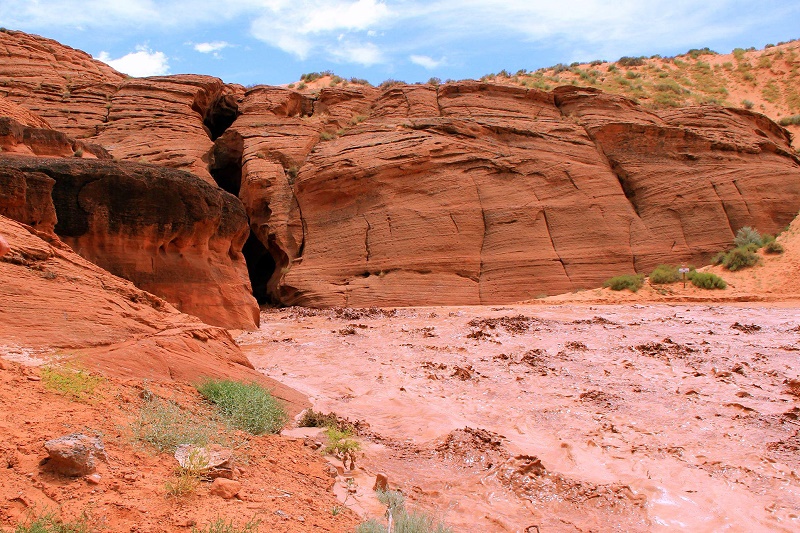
[{"x": 408, "y": 195}]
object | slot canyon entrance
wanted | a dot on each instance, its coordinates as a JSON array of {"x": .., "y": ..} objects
[
  {"x": 225, "y": 166},
  {"x": 260, "y": 268}
]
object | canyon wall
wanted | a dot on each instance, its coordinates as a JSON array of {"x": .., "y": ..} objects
[{"x": 463, "y": 193}]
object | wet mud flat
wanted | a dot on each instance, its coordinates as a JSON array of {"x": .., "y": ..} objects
[{"x": 562, "y": 418}]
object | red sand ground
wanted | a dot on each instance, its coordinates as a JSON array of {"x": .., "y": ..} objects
[{"x": 285, "y": 485}]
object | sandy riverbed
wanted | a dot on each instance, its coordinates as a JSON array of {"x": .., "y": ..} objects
[{"x": 582, "y": 418}]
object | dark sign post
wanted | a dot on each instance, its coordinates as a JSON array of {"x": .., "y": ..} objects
[{"x": 683, "y": 271}]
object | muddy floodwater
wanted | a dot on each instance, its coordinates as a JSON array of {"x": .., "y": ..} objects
[{"x": 567, "y": 418}]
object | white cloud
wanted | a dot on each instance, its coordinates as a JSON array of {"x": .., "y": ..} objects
[
  {"x": 427, "y": 61},
  {"x": 366, "y": 54},
  {"x": 143, "y": 62},
  {"x": 208, "y": 48},
  {"x": 384, "y": 30},
  {"x": 301, "y": 27}
]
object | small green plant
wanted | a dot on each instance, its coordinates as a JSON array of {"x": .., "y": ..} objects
[
  {"x": 221, "y": 526},
  {"x": 794, "y": 120},
  {"x": 246, "y": 406},
  {"x": 164, "y": 425},
  {"x": 707, "y": 280},
  {"x": 75, "y": 384},
  {"x": 326, "y": 136},
  {"x": 393, "y": 499},
  {"x": 291, "y": 173},
  {"x": 182, "y": 484},
  {"x": 50, "y": 523},
  {"x": 741, "y": 257},
  {"x": 357, "y": 119},
  {"x": 773, "y": 247},
  {"x": 747, "y": 235},
  {"x": 404, "y": 521},
  {"x": 664, "y": 274},
  {"x": 78, "y": 152},
  {"x": 340, "y": 443},
  {"x": 632, "y": 282}
]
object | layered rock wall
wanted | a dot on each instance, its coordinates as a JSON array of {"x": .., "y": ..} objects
[
  {"x": 462, "y": 193},
  {"x": 167, "y": 231}
]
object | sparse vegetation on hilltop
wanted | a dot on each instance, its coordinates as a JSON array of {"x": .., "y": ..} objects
[{"x": 763, "y": 80}]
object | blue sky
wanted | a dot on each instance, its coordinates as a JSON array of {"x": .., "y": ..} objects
[{"x": 275, "y": 41}]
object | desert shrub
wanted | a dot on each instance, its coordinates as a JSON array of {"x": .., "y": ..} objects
[
  {"x": 385, "y": 84},
  {"x": 291, "y": 173},
  {"x": 695, "y": 52},
  {"x": 371, "y": 526},
  {"x": 404, "y": 521},
  {"x": 182, "y": 484},
  {"x": 741, "y": 257},
  {"x": 50, "y": 523},
  {"x": 773, "y": 247},
  {"x": 316, "y": 419},
  {"x": 747, "y": 104},
  {"x": 794, "y": 120},
  {"x": 707, "y": 280},
  {"x": 357, "y": 119},
  {"x": 747, "y": 235},
  {"x": 75, "y": 384},
  {"x": 339, "y": 442},
  {"x": 221, "y": 526},
  {"x": 664, "y": 274},
  {"x": 632, "y": 282},
  {"x": 164, "y": 425},
  {"x": 246, "y": 406},
  {"x": 718, "y": 258},
  {"x": 326, "y": 136},
  {"x": 626, "y": 61}
]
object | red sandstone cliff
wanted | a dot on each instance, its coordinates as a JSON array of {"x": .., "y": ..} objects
[{"x": 408, "y": 195}]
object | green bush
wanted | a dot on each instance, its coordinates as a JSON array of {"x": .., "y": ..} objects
[
  {"x": 221, "y": 526},
  {"x": 339, "y": 442},
  {"x": 50, "y": 523},
  {"x": 164, "y": 425},
  {"x": 707, "y": 280},
  {"x": 664, "y": 274},
  {"x": 741, "y": 257},
  {"x": 773, "y": 247},
  {"x": 747, "y": 235},
  {"x": 404, "y": 521},
  {"x": 794, "y": 120},
  {"x": 719, "y": 258},
  {"x": 75, "y": 384},
  {"x": 249, "y": 407},
  {"x": 632, "y": 282}
]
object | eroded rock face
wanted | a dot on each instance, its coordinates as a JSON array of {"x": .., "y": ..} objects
[
  {"x": 167, "y": 231},
  {"x": 478, "y": 193},
  {"x": 463, "y": 193}
]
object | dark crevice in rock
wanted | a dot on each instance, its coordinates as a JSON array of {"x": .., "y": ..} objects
[
  {"x": 226, "y": 162},
  {"x": 625, "y": 183},
  {"x": 260, "y": 268},
  {"x": 220, "y": 115}
]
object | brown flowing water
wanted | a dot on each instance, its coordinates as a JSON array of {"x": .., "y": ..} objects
[{"x": 562, "y": 418}]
